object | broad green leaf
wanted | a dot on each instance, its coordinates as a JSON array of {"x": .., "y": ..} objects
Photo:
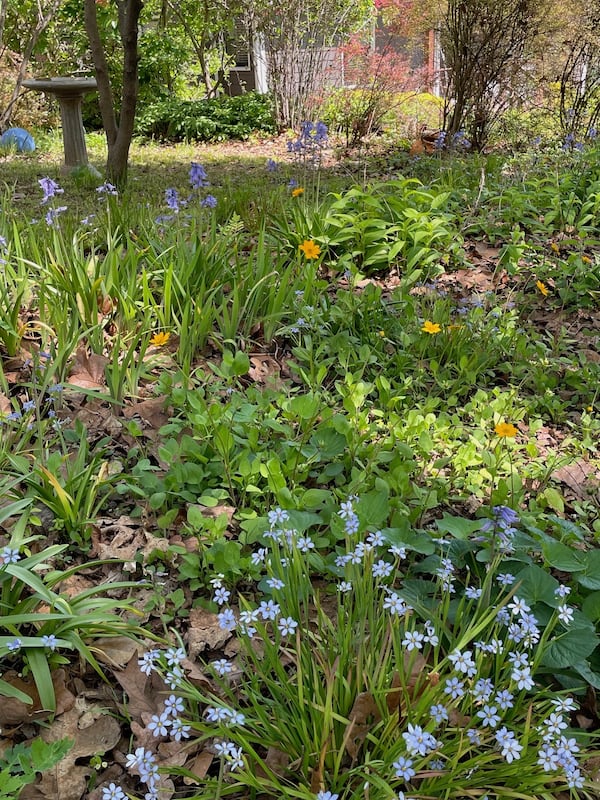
[
  {"x": 590, "y": 578},
  {"x": 570, "y": 647},
  {"x": 563, "y": 557},
  {"x": 591, "y": 606},
  {"x": 554, "y": 499},
  {"x": 373, "y": 507},
  {"x": 458, "y": 527},
  {"x": 536, "y": 585}
]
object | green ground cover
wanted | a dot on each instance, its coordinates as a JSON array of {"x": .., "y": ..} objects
[{"x": 300, "y": 473}]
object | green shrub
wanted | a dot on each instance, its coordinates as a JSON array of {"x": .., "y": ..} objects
[{"x": 207, "y": 120}]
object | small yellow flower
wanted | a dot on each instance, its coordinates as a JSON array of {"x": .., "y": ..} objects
[
  {"x": 297, "y": 191},
  {"x": 382, "y": 334},
  {"x": 586, "y": 259},
  {"x": 160, "y": 339},
  {"x": 431, "y": 327},
  {"x": 543, "y": 288},
  {"x": 555, "y": 247},
  {"x": 590, "y": 409},
  {"x": 310, "y": 249},
  {"x": 505, "y": 429}
]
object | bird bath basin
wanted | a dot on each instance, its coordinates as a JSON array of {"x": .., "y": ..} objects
[{"x": 69, "y": 93}]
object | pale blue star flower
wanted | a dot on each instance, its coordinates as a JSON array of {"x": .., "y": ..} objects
[{"x": 403, "y": 768}]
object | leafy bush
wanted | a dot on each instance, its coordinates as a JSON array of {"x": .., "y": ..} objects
[
  {"x": 208, "y": 120},
  {"x": 396, "y": 223}
]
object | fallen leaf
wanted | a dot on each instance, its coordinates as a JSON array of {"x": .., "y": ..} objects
[
  {"x": 151, "y": 411},
  {"x": 580, "y": 477},
  {"x": 120, "y": 538},
  {"x": 68, "y": 780},
  {"x": 87, "y": 371},
  {"x": 199, "y": 768},
  {"x": 145, "y": 694},
  {"x": 265, "y": 370},
  {"x": 15, "y": 712},
  {"x": 205, "y": 632},
  {"x": 363, "y": 716},
  {"x": 117, "y": 651}
]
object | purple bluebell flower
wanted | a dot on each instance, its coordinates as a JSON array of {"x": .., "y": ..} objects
[
  {"x": 107, "y": 188},
  {"x": 198, "y": 176},
  {"x": 50, "y": 189},
  {"x": 172, "y": 199}
]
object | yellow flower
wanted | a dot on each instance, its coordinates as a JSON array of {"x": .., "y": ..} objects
[
  {"x": 159, "y": 339},
  {"x": 431, "y": 327},
  {"x": 310, "y": 249},
  {"x": 543, "y": 288},
  {"x": 297, "y": 191},
  {"x": 555, "y": 247},
  {"x": 505, "y": 429},
  {"x": 382, "y": 334},
  {"x": 586, "y": 259}
]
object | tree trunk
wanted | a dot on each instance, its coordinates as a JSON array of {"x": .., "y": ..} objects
[{"x": 118, "y": 135}]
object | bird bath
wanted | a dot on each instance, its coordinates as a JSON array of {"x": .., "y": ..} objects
[{"x": 69, "y": 93}]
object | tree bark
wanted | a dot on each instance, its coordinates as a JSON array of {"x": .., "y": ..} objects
[{"x": 118, "y": 135}]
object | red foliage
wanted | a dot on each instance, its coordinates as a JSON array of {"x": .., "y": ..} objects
[{"x": 382, "y": 70}]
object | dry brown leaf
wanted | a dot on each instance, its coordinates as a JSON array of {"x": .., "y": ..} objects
[
  {"x": 151, "y": 411},
  {"x": 75, "y": 584},
  {"x": 68, "y": 780},
  {"x": 363, "y": 716},
  {"x": 277, "y": 761},
  {"x": 117, "y": 651},
  {"x": 145, "y": 694},
  {"x": 15, "y": 712},
  {"x": 87, "y": 371},
  {"x": 205, "y": 632},
  {"x": 120, "y": 538},
  {"x": 265, "y": 370},
  {"x": 199, "y": 767},
  {"x": 580, "y": 477}
]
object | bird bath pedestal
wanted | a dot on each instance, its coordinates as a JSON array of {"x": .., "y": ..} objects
[{"x": 69, "y": 93}]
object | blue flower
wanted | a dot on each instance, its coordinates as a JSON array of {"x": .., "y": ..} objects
[
  {"x": 489, "y": 716},
  {"x": 50, "y": 641},
  {"x": 113, "y": 792},
  {"x": 50, "y": 189},
  {"x": 172, "y": 199},
  {"x": 107, "y": 188},
  {"x": 404, "y": 768},
  {"x": 9, "y": 555},
  {"x": 198, "y": 176},
  {"x": 210, "y": 201}
]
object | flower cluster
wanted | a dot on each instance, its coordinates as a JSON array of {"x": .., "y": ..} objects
[
  {"x": 175, "y": 203},
  {"x": 309, "y": 145},
  {"x": 168, "y": 723},
  {"x": 469, "y": 709},
  {"x": 501, "y": 528}
]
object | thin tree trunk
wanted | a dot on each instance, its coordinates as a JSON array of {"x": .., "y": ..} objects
[{"x": 118, "y": 136}]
